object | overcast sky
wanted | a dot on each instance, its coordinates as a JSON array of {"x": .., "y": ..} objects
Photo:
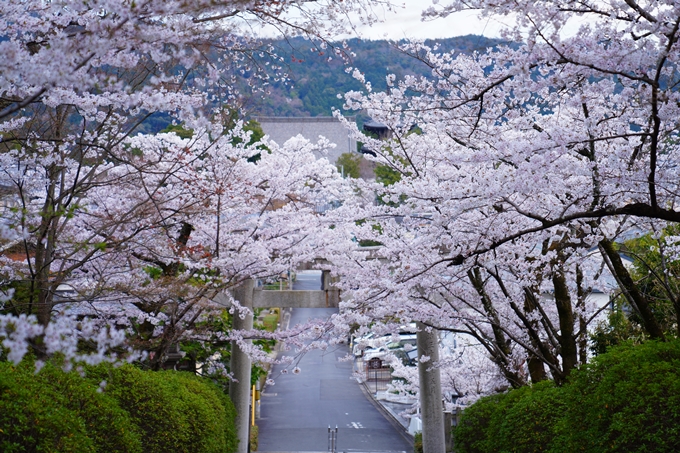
[{"x": 407, "y": 23}]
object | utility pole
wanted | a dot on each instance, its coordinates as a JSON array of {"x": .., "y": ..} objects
[
  {"x": 239, "y": 391},
  {"x": 431, "y": 409}
]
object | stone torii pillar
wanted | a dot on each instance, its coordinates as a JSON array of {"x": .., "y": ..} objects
[
  {"x": 239, "y": 391},
  {"x": 429, "y": 376}
]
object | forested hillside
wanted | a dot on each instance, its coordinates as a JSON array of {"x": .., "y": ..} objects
[{"x": 316, "y": 81}]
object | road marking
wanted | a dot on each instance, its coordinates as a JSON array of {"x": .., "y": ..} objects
[{"x": 355, "y": 425}]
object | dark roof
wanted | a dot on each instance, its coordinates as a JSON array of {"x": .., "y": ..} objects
[{"x": 374, "y": 125}]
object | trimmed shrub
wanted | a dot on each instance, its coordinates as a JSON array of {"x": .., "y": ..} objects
[
  {"x": 57, "y": 411},
  {"x": 418, "y": 442},
  {"x": 107, "y": 425},
  {"x": 150, "y": 400},
  {"x": 229, "y": 423},
  {"x": 521, "y": 420},
  {"x": 135, "y": 411},
  {"x": 474, "y": 432},
  {"x": 34, "y": 417},
  {"x": 254, "y": 437},
  {"x": 627, "y": 400},
  {"x": 528, "y": 425},
  {"x": 210, "y": 413},
  {"x": 174, "y": 411}
]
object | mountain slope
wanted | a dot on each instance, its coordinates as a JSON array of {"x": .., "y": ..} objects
[{"x": 316, "y": 82}]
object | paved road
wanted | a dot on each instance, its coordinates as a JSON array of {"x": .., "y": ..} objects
[
  {"x": 297, "y": 410},
  {"x": 309, "y": 280}
]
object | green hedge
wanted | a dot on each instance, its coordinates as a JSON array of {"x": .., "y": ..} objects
[
  {"x": 36, "y": 417},
  {"x": 474, "y": 432},
  {"x": 627, "y": 400},
  {"x": 529, "y": 422},
  {"x": 135, "y": 411}
]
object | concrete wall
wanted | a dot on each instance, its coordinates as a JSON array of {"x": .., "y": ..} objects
[{"x": 280, "y": 129}]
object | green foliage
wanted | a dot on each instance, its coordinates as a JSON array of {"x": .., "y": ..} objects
[
  {"x": 418, "y": 443},
  {"x": 153, "y": 272},
  {"x": 657, "y": 276},
  {"x": 386, "y": 175},
  {"x": 174, "y": 411},
  {"x": 254, "y": 433},
  {"x": 130, "y": 411},
  {"x": 627, "y": 400},
  {"x": 209, "y": 413},
  {"x": 251, "y": 126},
  {"x": 23, "y": 293},
  {"x": 256, "y": 132},
  {"x": 232, "y": 116},
  {"x": 369, "y": 242},
  {"x": 179, "y": 130},
  {"x": 528, "y": 424},
  {"x": 34, "y": 417},
  {"x": 57, "y": 411},
  {"x": 270, "y": 321},
  {"x": 616, "y": 330},
  {"x": 478, "y": 429},
  {"x": 109, "y": 426},
  {"x": 348, "y": 163},
  {"x": 217, "y": 350},
  {"x": 213, "y": 326}
]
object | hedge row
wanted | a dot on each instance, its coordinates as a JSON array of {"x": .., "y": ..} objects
[
  {"x": 112, "y": 410},
  {"x": 627, "y": 400}
]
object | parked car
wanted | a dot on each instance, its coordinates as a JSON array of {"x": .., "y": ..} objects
[
  {"x": 383, "y": 350},
  {"x": 407, "y": 358},
  {"x": 371, "y": 340}
]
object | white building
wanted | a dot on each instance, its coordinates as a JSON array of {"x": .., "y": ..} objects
[{"x": 281, "y": 129}]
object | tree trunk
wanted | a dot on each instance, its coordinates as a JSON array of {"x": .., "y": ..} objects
[
  {"x": 636, "y": 299},
  {"x": 582, "y": 326},
  {"x": 568, "y": 350},
  {"x": 501, "y": 351},
  {"x": 534, "y": 363}
]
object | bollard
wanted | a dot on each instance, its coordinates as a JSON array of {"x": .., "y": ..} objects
[{"x": 332, "y": 439}]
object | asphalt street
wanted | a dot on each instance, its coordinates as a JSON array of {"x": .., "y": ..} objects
[
  {"x": 307, "y": 280},
  {"x": 298, "y": 409}
]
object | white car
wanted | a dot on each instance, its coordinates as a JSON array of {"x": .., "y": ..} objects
[
  {"x": 361, "y": 345},
  {"x": 382, "y": 349}
]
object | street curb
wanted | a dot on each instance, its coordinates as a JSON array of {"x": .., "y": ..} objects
[{"x": 400, "y": 428}]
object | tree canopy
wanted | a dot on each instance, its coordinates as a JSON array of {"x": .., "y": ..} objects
[{"x": 501, "y": 219}]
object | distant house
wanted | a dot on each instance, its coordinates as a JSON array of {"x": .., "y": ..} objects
[
  {"x": 378, "y": 130},
  {"x": 280, "y": 129}
]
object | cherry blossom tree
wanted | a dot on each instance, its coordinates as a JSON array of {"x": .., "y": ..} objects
[
  {"x": 151, "y": 225},
  {"x": 518, "y": 170}
]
